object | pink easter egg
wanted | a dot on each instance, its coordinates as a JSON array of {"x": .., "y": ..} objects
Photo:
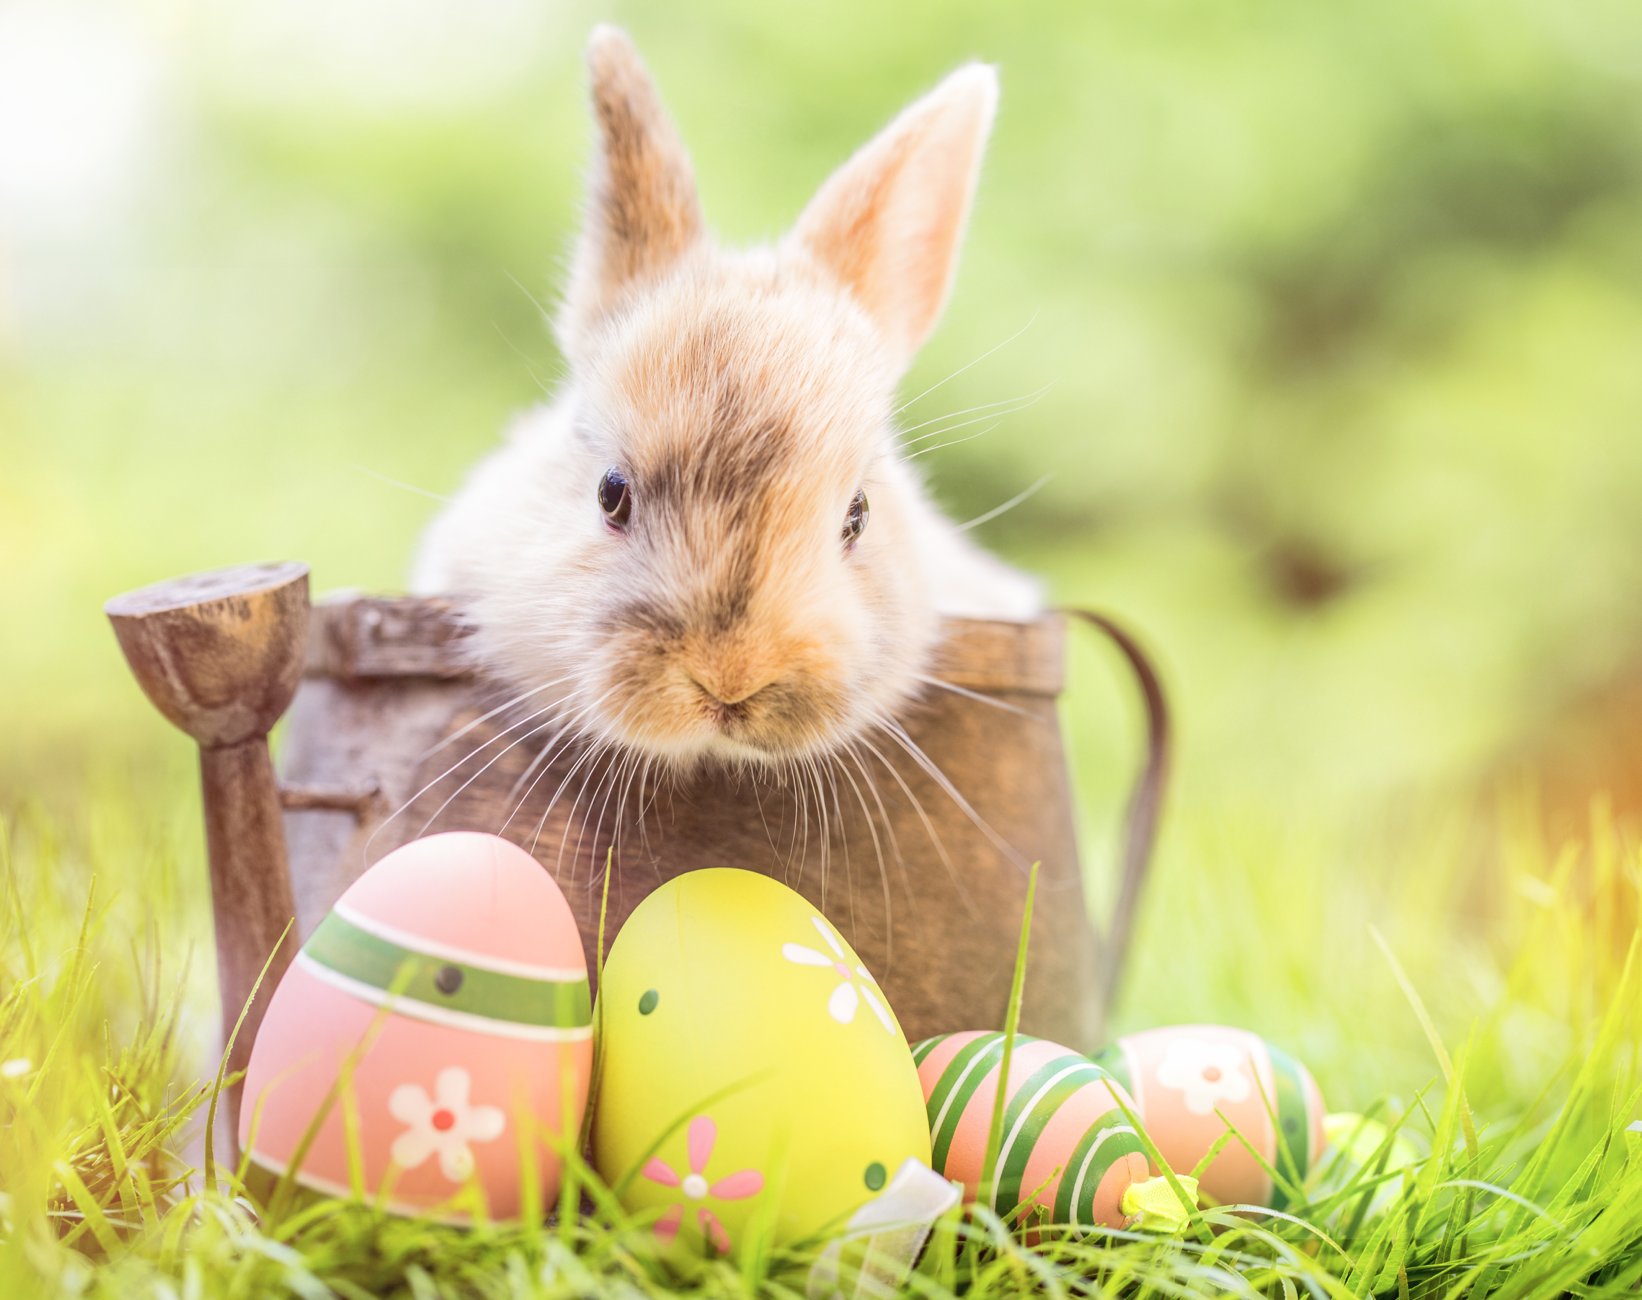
[
  {"x": 444, "y": 1001},
  {"x": 1066, "y": 1144},
  {"x": 1181, "y": 1075}
]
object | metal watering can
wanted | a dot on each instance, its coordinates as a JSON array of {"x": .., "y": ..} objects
[{"x": 919, "y": 853}]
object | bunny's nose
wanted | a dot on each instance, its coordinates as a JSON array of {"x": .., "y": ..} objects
[
  {"x": 730, "y": 674},
  {"x": 729, "y": 688}
]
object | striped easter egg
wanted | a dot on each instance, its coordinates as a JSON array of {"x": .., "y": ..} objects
[
  {"x": 1182, "y": 1075},
  {"x": 1066, "y": 1144},
  {"x": 451, "y": 975}
]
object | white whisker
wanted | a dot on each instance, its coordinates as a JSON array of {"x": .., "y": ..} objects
[
  {"x": 877, "y": 848},
  {"x": 393, "y": 482},
  {"x": 486, "y": 717},
  {"x": 630, "y": 760},
  {"x": 977, "y": 361},
  {"x": 371, "y": 839},
  {"x": 609, "y": 775},
  {"x": 969, "y": 411},
  {"x": 1021, "y": 404},
  {"x": 824, "y": 767},
  {"x": 617, "y": 775},
  {"x": 501, "y": 754},
  {"x": 942, "y": 446},
  {"x": 555, "y": 745},
  {"x": 409, "y": 803},
  {"x": 764, "y": 821},
  {"x": 814, "y": 778},
  {"x": 883, "y": 813},
  {"x": 977, "y": 696},
  {"x": 895, "y": 731},
  {"x": 1008, "y": 505},
  {"x": 929, "y": 828},
  {"x": 590, "y": 758},
  {"x": 568, "y": 736}
]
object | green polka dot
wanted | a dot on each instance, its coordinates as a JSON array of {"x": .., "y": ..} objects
[
  {"x": 875, "y": 1176},
  {"x": 647, "y": 1003}
]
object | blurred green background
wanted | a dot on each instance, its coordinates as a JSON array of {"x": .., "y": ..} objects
[{"x": 1338, "y": 310}]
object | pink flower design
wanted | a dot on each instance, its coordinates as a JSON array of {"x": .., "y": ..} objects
[{"x": 703, "y": 1133}]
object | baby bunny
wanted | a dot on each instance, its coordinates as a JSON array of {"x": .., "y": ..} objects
[{"x": 710, "y": 544}]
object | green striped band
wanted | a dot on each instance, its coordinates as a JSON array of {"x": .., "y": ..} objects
[
  {"x": 1035, "y": 1102},
  {"x": 447, "y": 988},
  {"x": 1107, "y": 1140},
  {"x": 964, "y": 1073},
  {"x": 1294, "y": 1125},
  {"x": 923, "y": 1049}
]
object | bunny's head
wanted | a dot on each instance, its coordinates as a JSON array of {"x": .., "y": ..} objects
[{"x": 711, "y": 544}]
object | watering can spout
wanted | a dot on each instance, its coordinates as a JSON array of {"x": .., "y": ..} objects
[{"x": 221, "y": 655}]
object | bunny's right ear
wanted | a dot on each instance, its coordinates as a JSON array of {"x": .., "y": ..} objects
[
  {"x": 642, "y": 209},
  {"x": 889, "y": 222}
]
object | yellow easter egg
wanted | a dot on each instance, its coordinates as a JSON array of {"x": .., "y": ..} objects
[{"x": 749, "y": 1064}]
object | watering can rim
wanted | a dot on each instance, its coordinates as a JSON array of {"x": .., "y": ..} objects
[{"x": 352, "y": 636}]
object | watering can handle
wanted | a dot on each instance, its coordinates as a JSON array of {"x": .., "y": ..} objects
[{"x": 1145, "y": 805}]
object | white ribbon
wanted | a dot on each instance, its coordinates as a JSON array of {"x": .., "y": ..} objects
[{"x": 882, "y": 1240}]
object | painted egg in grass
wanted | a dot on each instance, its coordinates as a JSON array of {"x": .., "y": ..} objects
[
  {"x": 1181, "y": 1075},
  {"x": 452, "y": 971},
  {"x": 1357, "y": 1143},
  {"x": 1066, "y": 1144},
  {"x": 731, "y": 1008}
]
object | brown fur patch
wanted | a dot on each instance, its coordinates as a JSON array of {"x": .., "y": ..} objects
[{"x": 643, "y": 212}]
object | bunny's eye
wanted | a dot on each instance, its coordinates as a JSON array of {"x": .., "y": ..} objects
[
  {"x": 855, "y": 520},
  {"x": 615, "y": 497}
]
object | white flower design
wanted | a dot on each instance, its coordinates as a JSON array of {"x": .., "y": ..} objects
[
  {"x": 444, "y": 1123},
  {"x": 1208, "y": 1073},
  {"x": 858, "y": 984}
]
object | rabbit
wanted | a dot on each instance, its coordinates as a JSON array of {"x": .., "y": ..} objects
[{"x": 710, "y": 546}]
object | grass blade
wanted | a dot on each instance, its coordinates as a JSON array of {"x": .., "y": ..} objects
[{"x": 985, "y": 1193}]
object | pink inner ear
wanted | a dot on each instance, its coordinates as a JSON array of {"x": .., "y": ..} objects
[
  {"x": 888, "y": 223},
  {"x": 703, "y": 1133}
]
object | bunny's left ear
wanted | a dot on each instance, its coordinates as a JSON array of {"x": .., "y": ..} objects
[
  {"x": 642, "y": 209},
  {"x": 889, "y": 222}
]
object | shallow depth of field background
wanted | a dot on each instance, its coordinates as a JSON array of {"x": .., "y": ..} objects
[{"x": 1333, "y": 317}]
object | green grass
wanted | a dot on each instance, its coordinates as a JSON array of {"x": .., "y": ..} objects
[
  {"x": 1529, "y": 1183},
  {"x": 1348, "y": 289}
]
